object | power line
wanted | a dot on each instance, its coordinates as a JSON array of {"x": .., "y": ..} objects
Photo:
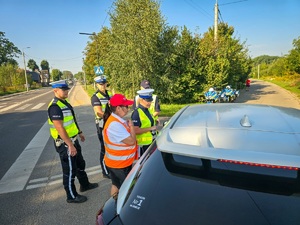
[
  {"x": 107, "y": 13},
  {"x": 234, "y": 2},
  {"x": 77, "y": 57},
  {"x": 199, "y": 9}
]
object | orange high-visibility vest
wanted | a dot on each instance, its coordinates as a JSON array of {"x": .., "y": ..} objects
[{"x": 118, "y": 155}]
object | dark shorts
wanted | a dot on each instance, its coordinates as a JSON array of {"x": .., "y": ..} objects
[{"x": 118, "y": 175}]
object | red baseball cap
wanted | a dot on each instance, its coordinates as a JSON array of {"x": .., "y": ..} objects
[{"x": 119, "y": 99}]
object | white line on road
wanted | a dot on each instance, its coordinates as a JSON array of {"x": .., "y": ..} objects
[
  {"x": 38, "y": 106},
  {"x": 57, "y": 179},
  {"x": 9, "y": 107},
  {"x": 15, "y": 105},
  {"x": 23, "y": 107},
  {"x": 18, "y": 174}
]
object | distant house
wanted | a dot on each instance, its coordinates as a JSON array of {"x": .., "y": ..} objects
[
  {"x": 35, "y": 76},
  {"x": 45, "y": 78}
]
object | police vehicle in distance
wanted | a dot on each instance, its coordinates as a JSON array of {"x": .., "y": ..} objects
[{"x": 215, "y": 164}]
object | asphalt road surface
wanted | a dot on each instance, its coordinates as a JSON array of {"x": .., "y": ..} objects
[
  {"x": 31, "y": 191},
  {"x": 261, "y": 92}
]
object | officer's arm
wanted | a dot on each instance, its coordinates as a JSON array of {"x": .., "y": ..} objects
[
  {"x": 97, "y": 106},
  {"x": 58, "y": 124},
  {"x": 98, "y": 110}
]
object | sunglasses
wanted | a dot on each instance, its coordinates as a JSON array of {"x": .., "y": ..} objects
[{"x": 148, "y": 99}]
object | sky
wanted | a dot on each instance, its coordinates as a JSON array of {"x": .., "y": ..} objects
[{"x": 50, "y": 28}]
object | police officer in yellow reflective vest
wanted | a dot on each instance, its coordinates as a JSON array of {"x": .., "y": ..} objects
[
  {"x": 99, "y": 101},
  {"x": 65, "y": 132},
  {"x": 154, "y": 107},
  {"x": 143, "y": 121}
]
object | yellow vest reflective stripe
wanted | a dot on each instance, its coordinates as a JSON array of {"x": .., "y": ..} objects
[
  {"x": 68, "y": 120},
  {"x": 144, "y": 138},
  {"x": 118, "y": 155},
  {"x": 103, "y": 99}
]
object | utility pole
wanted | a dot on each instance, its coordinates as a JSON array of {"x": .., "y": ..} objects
[
  {"x": 84, "y": 74},
  {"x": 216, "y": 21},
  {"x": 26, "y": 81}
]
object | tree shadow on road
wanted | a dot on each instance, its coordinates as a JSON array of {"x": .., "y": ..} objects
[{"x": 255, "y": 92}]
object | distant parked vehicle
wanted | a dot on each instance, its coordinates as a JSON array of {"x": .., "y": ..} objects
[
  {"x": 229, "y": 94},
  {"x": 212, "y": 96}
]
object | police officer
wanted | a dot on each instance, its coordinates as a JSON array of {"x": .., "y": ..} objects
[
  {"x": 99, "y": 101},
  {"x": 65, "y": 132},
  {"x": 143, "y": 120},
  {"x": 154, "y": 107}
]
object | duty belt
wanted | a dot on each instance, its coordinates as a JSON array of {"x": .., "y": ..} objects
[
  {"x": 59, "y": 141},
  {"x": 100, "y": 122},
  {"x": 97, "y": 120}
]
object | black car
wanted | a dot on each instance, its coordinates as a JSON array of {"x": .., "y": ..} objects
[{"x": 215, "y": 164}]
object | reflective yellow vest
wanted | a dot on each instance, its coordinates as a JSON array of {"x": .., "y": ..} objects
[
  {"x": 68, "y": 121},
  {"x": 103, "y": 99},
  {"x": 118, "y": 155},
  {"x": 144, "y": 138}
]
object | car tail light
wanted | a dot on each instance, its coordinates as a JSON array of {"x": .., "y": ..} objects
[
  {"x": 99, "y": 218},
  {"x": 259, "y": 164}
]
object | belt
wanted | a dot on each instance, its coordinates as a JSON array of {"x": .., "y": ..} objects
[
  {"x": 97, "y": 120},
  {"x": 73, "y": 139},
  {"x": 59, "y": 141}
]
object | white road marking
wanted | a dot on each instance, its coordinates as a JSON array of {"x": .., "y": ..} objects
[
  {"x": 9, "y": 107},
  {"x": 23, "y": 107},
  {"x": 15, "y": 105},
  {"x": 38, "y": 106},
  {"x": 18, "y": 174},
  {"x": 57, "y": 179}
]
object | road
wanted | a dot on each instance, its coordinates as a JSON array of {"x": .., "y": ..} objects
[
  {"x": 31, "y": 189},
  {"x": 262, "y": 92}
]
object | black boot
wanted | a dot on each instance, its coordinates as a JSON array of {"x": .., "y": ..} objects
[
  {"x": 89, "y": 186},
  {"x": 77, "y": 199}
]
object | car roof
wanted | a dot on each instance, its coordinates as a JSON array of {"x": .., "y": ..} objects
[{"x": 241, "y": 132}]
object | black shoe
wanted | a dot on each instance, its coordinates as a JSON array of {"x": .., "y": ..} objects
[
  {"x": 88, "y": 187},
  {"x": 77, "y": 199},
  {"x": 106, "y": 176}
]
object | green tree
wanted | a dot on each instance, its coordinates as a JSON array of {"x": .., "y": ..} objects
[
  {"x": 56, "y": 74},
  {"x": 79, "y": 76},
  {"x": 293, "y": 58},
  {"x": 165, "y": 69},
  {"x": 135, "y": 28},
  {"x": 6, "y": 74},
  {"x": 226, "y": 60},
  {"x": 31, "y": 64},
  {"x": 67, "y": 75},
  {"x": 186, "y": 70},
  {"x": 7, "y": 51},
  {"x": 97, "y": 52},
  {"x": 45, "y": 65},
  {"x": 264, "y": 59}
]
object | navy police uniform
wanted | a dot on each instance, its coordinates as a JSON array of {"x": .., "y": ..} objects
[
  {"x": 61, "y": 109},
  {"x": 101, "y": 98}
]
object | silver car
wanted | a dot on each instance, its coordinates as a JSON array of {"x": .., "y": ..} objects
[{"x": 216, "y": 164}]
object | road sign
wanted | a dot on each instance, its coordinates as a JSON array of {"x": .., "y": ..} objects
[{"x": 99, "y": 70}]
